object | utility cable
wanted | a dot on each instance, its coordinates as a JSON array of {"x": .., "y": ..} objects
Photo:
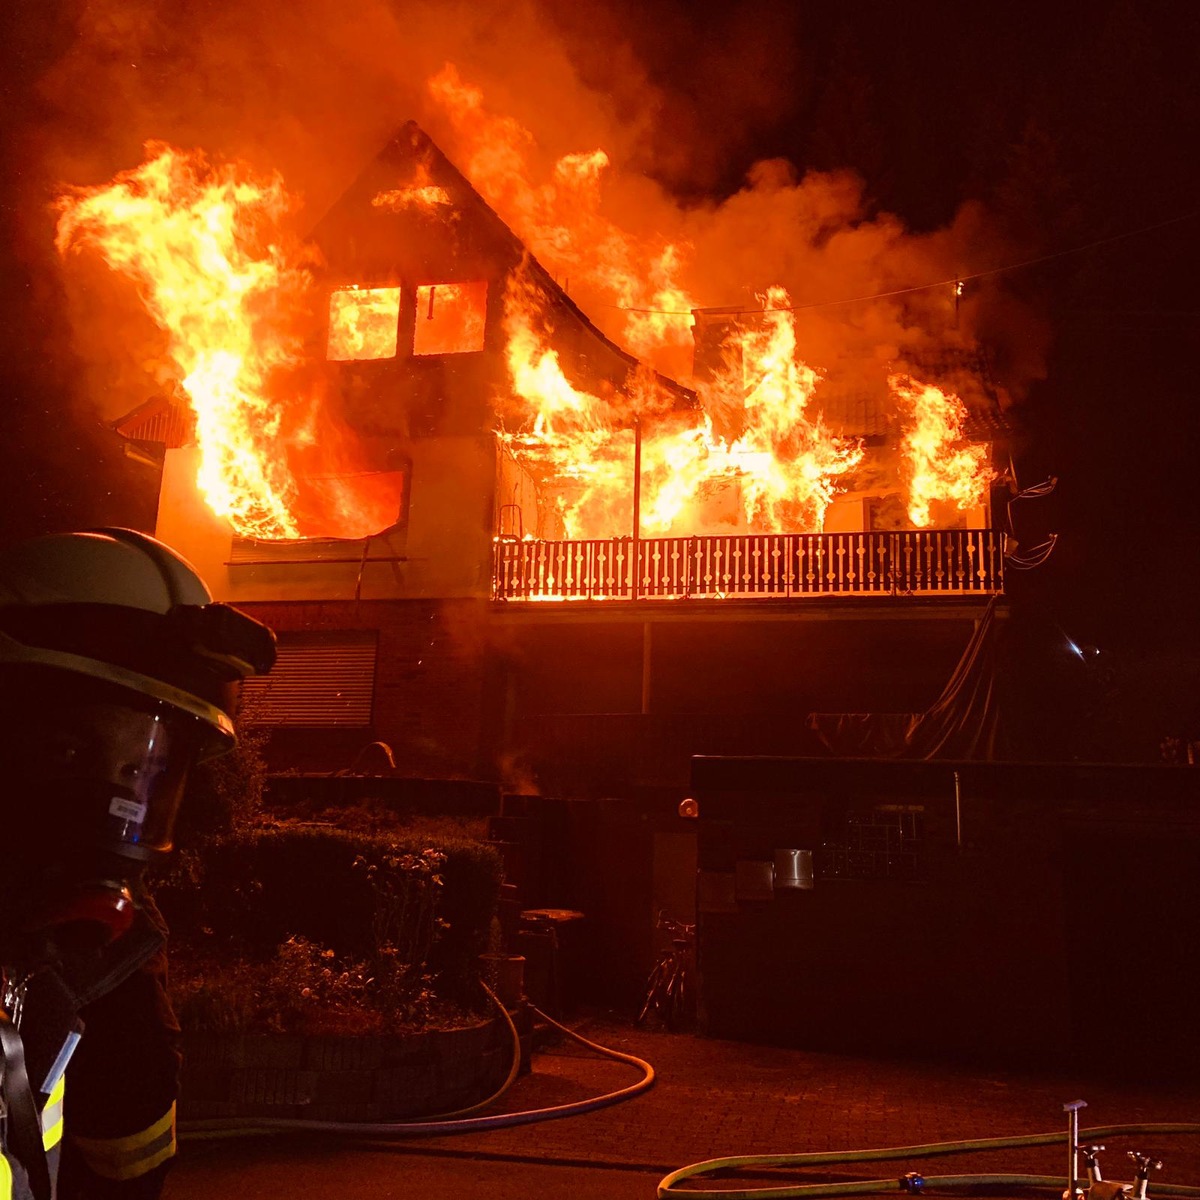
[{"x": 953, "y": 281}]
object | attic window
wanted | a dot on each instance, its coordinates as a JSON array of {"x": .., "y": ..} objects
[
  {"x": 450, "y": 318},
  {"x": 363, "y": 322}
]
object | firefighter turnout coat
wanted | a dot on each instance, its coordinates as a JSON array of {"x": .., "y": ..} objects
[{"x": 107, "y": 1124}]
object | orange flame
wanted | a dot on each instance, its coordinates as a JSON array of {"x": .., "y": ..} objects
[
  {"x": 537, "y": 374},
  {"x": 562, "y": 220},
  {"x": 400, "y": 199},
  {"x": 203, "y": 244},
  {"x": 363, "y": 323},
  {"x": 780, "y": 474},
  {"x": 566, "y": 436},
  {"x": 451, "y": 318},
  {"x": 422, "y": 193},
  {"x": 942, "y": 466}
]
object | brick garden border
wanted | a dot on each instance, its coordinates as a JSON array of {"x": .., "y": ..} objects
[{"x": 375, "y": 1078}]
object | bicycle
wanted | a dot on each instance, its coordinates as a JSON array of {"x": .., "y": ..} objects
[{"x": 670, "y": 986}]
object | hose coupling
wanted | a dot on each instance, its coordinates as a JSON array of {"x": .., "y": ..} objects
[
  {"x": 913, "y": 1182},
  {"x": 1143, "y": 1164},
  {"x": 1091, "y": 1161}
]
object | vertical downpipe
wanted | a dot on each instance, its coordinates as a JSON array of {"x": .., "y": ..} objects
[{"x": 637, "y": 503}]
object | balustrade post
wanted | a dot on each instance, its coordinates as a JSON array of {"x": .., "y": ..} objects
[{"x": 637, "y": 503}]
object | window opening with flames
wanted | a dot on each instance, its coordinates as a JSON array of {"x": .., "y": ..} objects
[
  {"x": 451, "y": 318},
  {"x": 363, "y": 323}
]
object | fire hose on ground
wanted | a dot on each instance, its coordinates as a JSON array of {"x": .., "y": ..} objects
[
  {"x": 459, "y": 1121},
  {"x": 463, "y": 1121},
  {"x": 912, "y": 1182}
]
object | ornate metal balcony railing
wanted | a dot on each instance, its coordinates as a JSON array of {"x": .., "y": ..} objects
[{"x": 937, "y": 562}]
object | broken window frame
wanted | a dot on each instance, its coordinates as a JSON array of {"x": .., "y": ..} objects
[{"x": 426, "y": 306}]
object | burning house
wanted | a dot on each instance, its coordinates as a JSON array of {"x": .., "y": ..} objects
[
  {"x": 525, "y": 507},
  {"x": 498, "y": 542}
]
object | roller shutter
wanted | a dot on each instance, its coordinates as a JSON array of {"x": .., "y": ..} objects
[{"x": 320, "y": 680}]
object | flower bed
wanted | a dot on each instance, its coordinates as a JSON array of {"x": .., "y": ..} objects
[
  {"x": 294, "y": 929},
  {"x": 327, "y": 969}
]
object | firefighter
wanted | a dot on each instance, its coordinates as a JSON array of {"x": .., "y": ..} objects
[{"x": 117, "y": 673}]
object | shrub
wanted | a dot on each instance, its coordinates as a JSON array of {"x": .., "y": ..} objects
[
  {"x": 225, "y": 793},
  {"x": 328, "y": 920}
]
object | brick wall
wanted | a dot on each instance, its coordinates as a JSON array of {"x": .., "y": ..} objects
[{"x": 433, "y": 693}]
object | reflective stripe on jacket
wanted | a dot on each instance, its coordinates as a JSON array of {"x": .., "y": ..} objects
[
  {"x": 13, "y": 1182},
  {"x": 129, "y": 1157},
  {"x": 52, "y": 1117}
]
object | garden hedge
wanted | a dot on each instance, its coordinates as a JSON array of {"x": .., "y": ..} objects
[{"x": 253, "y": 889}]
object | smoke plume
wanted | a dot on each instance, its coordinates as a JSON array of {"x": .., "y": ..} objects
[{"x": 312, "y": 89}]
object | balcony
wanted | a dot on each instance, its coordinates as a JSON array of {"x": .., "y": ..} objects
[{"x": 944, "y": 562}]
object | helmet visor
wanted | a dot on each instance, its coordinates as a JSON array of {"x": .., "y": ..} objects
[
  {"x": 102, "y": 769},
  {"x": 150, "y": 753}
]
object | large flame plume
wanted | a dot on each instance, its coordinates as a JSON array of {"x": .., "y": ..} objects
[
  {"x": 203, "y": 243},
  {"x": 562, "y": 222},
  {"x": 942, "y": 467},
  {"x": 780, "y": 474},
  {"x": 778, "y": 468}
]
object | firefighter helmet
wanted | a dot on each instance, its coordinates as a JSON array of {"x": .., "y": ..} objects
[
  {"x": 125, "y": 609},
  {"x": 116, "y": 675}
]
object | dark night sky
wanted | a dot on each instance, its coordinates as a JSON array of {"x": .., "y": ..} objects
[{"x": 1073, "y": 122}]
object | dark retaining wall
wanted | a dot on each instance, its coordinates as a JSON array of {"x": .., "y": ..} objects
[{"x": 343, "y": 1078}]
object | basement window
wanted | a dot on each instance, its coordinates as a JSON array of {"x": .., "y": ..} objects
[
  {"x": 363, "y": 323},
  {"x": 450, "y": 318},
  {"x": 320, "y": 680}
]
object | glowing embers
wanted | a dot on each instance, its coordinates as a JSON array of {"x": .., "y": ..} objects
[
  {"x": 363, "y": 323},
  {"x": 401, "y": 200},
  {"x": 450, "y": 318},
  {"x": 422, "y": 194}
]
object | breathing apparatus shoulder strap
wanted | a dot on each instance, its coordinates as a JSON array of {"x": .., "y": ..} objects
[
  {"x": 118, "y": 961},
  {"x": 22, "y": 1129}
]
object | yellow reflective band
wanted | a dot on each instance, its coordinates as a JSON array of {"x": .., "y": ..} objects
[
  {"x": 5, "y": 1179},
  {"x": 128, "y": 1157},
  {"x": 52, "y": 1134},
  {"x": 52, "y": 1116}
]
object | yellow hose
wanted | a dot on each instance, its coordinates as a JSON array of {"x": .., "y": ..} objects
[{"x": 667, "y": 1185}]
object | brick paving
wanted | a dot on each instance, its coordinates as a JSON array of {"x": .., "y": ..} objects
[
  {"x": 718, "y": 1097},
  {"x": 715, "y": 1098}
]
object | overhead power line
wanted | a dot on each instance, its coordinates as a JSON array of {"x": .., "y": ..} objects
[{"x": 953, "y": 281}]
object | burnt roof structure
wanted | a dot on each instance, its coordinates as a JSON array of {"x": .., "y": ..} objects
[{"x": 412, "y": 217}]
